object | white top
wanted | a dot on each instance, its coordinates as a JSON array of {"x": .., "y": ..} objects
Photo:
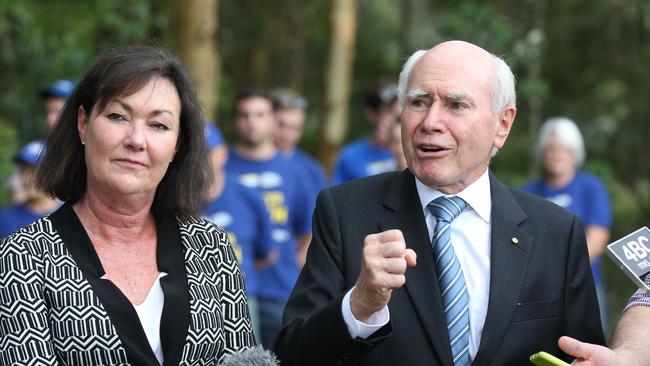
[
  {"x": 470, "y": 236},
  {"x": 150, "y": 313}
]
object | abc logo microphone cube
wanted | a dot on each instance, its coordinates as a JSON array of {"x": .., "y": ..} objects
[{"x": 632, "y": 254}]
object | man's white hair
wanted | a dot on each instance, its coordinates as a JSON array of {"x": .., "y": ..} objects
[
  {"x": 502, "y": 87},
  {"x": 567, "y": 132}
]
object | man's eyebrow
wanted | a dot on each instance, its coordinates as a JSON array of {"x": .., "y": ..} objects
[
  {"x": 455, "y": 96},
  {"x": 416, "y": 93}
]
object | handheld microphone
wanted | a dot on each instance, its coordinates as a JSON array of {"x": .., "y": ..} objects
[
  {"x": 632, "y": 254},
  {"x": 256, "y": 356}
]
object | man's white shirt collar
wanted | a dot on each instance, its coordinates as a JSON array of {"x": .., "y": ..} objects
[{"x": 477, "y": 195}]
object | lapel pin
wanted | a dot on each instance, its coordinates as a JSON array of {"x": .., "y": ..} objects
[{"x": 515, "y": 240}]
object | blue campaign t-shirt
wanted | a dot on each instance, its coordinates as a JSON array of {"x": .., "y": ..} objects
[
  {"x": 312, "y": 172},
  {"x": 289, "y": 208},
  {"x": 14, "y": 217},
  {"x": 241, "y": 213},
  {"x": 585, "y": 196},
  {"x": 360, "y": 159}
]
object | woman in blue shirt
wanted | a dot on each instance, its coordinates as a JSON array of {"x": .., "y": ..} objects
[{"x": 561, "y": 152}]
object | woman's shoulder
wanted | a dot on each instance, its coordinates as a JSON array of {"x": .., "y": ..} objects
[
  {"x": 29, "y": 238},
  {"x": 199, "y": 227}
]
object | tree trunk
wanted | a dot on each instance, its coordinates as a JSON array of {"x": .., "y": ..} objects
[
  {"x": 338, "y": 77},
  {"x": 196, "y": 29}
]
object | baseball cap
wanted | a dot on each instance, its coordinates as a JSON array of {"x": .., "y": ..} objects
[
  {"x": 213, "y": 136},
  {"x": 31, "y": 153},
  {"x": 59, "y": 89}
]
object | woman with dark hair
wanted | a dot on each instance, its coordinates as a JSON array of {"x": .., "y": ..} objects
[{"x": 123, "y": 272}]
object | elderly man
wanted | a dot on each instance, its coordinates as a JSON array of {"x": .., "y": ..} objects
[{"x": 500, "y": 274}]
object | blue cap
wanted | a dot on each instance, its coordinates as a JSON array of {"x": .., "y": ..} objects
[
  {"x": 213, "y": 136},
  {"x": 31, "y": 154},
  {"x": 58, "y": 89}
]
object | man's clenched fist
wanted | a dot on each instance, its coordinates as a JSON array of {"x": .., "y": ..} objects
[{"x": 383, "y": 263}]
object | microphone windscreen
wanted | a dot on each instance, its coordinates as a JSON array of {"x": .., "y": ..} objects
[{"x": 256, "y": 356}]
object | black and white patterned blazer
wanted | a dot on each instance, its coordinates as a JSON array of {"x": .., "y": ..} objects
[{"x": 55, "y": 309}]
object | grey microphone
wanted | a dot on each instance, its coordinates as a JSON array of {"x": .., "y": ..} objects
[{"x": 256, "y": 356}]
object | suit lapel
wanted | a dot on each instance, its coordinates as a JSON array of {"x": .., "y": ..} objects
[
  {"x": 510, "y": 251},
  {"x": 404, "y": 212}
]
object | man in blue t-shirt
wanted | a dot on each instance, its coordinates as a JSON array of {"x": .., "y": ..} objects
[
  {"x": 36, "y": 204},
  {"x": 290, "y": 117},
  {"x": 560, "y": 150},
  {"x": 241, "y": 213},
  {"x": 370, "y": 156},
  {"x": 256, "y": 163}
]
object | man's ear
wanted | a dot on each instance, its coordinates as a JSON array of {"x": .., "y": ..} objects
[{"x": 506, "y": 119}]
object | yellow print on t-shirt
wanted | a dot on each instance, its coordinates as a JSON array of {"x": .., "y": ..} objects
[{"x": 277, "y": 208}]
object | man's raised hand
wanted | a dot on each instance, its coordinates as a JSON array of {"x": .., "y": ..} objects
[{"x": 384, "y": 260}]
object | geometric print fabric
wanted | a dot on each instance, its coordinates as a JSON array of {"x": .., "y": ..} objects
[{"x": 49, "y": 314}]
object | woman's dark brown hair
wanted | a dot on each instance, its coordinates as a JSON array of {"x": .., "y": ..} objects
[{"x": 122, "y": 72}]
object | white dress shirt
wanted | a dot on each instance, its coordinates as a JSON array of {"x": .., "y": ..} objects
[{"x": 470, "y": 236}]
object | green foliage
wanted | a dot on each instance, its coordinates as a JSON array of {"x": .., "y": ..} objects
[
  {"x": 8, "y": 146},
  {"x": 42, "y": 41},
  {"x": 586, "y": 59}
]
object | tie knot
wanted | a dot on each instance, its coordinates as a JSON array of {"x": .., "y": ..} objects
[{"x": 447, "y": 208}]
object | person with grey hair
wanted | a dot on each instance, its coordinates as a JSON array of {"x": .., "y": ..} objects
[
  {"x": 561, "y": 152},
  {"x": 441, "y": 264}
]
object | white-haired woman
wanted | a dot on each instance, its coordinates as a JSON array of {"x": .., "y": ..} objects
[{"x": 561, "y": 152}]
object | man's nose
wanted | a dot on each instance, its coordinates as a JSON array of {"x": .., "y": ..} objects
[{"x": 435, "y": 117}]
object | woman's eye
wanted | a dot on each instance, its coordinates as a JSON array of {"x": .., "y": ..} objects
[
  {"x": 160, "y": 126},
  {"x": 116, "y": 117}
]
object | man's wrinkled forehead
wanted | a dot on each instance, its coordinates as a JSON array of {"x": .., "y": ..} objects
[{"x": 452, "y": 64}]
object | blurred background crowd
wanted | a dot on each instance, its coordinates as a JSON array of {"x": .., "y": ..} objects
[{"x": 319, "y": 78}]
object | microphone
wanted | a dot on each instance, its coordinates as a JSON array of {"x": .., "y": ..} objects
[
  {"x": 632, "y": 254},
  {"x": 256, "y": 356}
]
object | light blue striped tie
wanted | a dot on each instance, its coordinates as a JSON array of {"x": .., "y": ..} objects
[{"x": 450, "y": 275}]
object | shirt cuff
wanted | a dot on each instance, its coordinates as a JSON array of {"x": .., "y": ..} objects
[
  {"x": 640, "y": 297},
  {"x": 359, "y": 329}
]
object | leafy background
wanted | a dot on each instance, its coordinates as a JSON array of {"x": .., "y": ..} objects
[{"x": 586, "y": 59}]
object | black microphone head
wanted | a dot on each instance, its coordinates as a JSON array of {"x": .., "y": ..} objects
[{"x": 256, "y": 356}]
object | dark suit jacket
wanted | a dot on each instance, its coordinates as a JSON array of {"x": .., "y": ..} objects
[{"x": 540, "y": 288}]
